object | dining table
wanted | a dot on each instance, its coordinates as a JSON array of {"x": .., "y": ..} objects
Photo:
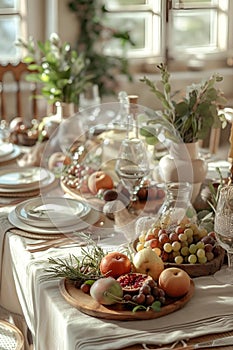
[{"x": 38, "y": 306}]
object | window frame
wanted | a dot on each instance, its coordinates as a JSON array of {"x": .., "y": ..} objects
[
  {"x": 188, "y": 59},
  {"x": 19, "y": 12}
]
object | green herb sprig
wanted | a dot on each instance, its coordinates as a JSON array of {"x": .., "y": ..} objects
[{"x": 79, "y": 269}]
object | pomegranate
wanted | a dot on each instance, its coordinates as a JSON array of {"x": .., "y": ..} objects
[{"x": 132, "y": 282}]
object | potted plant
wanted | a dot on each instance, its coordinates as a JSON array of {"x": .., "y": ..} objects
[
  {"x": 59, "y": 70},
  {"x": 94, "y": 35},
  {"x": 194, "y": 113},
  {"x": 190, "y": 118}
]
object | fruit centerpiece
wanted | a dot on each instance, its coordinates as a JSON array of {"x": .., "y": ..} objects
[
  {"x": 82, "y": 175},
  {"x": 117, "y": 285}
]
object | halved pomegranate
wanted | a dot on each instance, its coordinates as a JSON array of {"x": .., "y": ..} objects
[{"x": 132, "y": 282}]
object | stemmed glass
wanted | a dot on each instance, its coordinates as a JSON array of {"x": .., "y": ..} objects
[
  {"x": 223, "y": 227},
  {"x": 132, "y": 166}
]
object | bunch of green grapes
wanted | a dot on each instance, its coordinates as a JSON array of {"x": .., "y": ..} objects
[{"x": 182, "y": 243}]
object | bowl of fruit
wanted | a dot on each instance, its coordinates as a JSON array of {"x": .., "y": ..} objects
[{"x": 185, "y": 245}]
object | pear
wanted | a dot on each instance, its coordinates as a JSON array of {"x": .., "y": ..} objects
[{"x": 146, "y": 261}]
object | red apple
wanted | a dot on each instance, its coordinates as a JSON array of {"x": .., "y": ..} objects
[
  {"x": 174, "y": 281},
  {"x": 99, "y": 180},
  {"x": 115, "y": 264}
]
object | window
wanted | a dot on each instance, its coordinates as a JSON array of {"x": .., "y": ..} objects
[
  {"x": 188, "y": 30},
  {"x": 143, "y": 19},
  {"x": 12, "y": 26}
]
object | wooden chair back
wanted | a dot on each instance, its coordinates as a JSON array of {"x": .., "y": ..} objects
[{"x": 17, "y": 86}]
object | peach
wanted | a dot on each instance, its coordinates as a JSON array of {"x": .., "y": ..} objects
[{"x": 99, "y": 180}]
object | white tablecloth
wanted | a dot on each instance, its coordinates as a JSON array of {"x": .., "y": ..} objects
[{"x": 56, "y": 325}]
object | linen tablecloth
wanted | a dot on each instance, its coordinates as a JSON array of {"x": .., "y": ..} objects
[{"x": 58, "y": 326}]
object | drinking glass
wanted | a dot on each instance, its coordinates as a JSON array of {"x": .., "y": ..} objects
[
  {"x": 89, "y": 97},
  {"x": 223, "y": 227},
  {"x": 132, "y": 165}
]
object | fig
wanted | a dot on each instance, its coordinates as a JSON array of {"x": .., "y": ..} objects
[{"x": 107, "y": 291}]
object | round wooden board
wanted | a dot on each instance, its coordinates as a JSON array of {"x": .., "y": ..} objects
[
  {"x": 86, "y": 304},
  {"x": 149, "y": 205}
]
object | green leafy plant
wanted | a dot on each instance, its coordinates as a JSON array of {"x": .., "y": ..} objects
[
  {"x": 194, "y": 114},
  {"x": 60, "y": 70},
  {"x": 93, "y": 37}
]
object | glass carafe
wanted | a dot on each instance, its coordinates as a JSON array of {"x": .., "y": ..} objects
[{"x": 177, "y": 205}]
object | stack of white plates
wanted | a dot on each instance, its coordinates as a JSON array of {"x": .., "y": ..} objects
[
  {"x": 23, "y": 180},
  {"x": 8, "y": 151},
  {"x": 51, "y": 215}
]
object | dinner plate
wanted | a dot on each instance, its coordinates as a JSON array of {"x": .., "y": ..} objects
[
  {"x": 31, "y": 187},
  {"x": 90, "y": 219},
  {"x": 51, "y": 211},
  {"x": 13, "y": 178},
  {"x": 5, "y": 149},
  {"x": 12, "y": 155}
]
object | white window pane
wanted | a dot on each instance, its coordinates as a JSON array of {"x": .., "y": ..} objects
[
  {"x": 140, "y": 27},
  {"x": 8, "y": 4},
  {"x": 9, "y": 33},
  {"x": 194, "y": 29}
]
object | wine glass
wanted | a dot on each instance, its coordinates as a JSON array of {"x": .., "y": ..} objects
[
  {"x": 223, "y": 227},
  {"x": 71, "y": 134},
  {"x": 132, "y": 166}
]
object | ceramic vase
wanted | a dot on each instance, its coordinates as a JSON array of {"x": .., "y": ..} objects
[{"x": 183, "y": 164}]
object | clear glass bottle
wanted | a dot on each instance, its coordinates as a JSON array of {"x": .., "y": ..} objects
[
  {"x": 121, "y": 120},
  {"x": 177, "y": 205}
]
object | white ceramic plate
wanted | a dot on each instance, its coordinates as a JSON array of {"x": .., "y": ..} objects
[
  {"x": 14, "y": 154},
  {"x": 51, "y": 211},
  {"x": 90, "y": 219},
  {"x": 22, "y": 177},
  {"x": 5, "y": 149},
  {"x": 31, "y": 187}
]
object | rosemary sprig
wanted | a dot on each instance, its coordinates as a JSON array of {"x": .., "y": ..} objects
[{"x": 80, "y": 269}]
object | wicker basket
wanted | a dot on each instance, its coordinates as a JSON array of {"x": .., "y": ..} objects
[{"x": 10, "y": 337}]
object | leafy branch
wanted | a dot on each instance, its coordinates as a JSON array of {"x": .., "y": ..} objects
[{"x": 196, "y": 112}]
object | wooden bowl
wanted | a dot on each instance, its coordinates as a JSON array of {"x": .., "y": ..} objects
[{"x": 197, "y": 270}]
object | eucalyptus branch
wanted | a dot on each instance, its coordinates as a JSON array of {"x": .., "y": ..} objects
[{"x": 193, "y": 115}]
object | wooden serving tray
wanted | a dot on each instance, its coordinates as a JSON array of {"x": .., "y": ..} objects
[{"x": 86, "y": 304}]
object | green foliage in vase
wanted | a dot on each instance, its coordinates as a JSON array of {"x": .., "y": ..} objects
[
  {"x": 195, "y": 113},
  {"x": 60, "y": 70},
  {"x": 93, "y": 37}
]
